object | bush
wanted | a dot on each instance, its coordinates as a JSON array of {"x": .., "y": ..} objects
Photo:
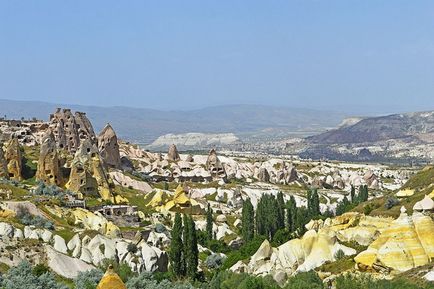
[
  {"x": 349, "y": 281},
  {"x": 391, "y": 202},
  {"x": 214, "y": 261},
  {"x": 339, "y": 254},
  {"x": 26, "y": 218},
  {"x": 146, "y": 281},
  {"x": 305, "y": 280},
  {"x": 132, "y": 248},
  {"x": 245, "y": 252},
  {"x": 22, "y": 276},
  {"x": 88, "y": 279}
]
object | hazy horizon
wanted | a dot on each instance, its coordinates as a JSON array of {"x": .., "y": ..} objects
[{"x": 362, "y": 57}]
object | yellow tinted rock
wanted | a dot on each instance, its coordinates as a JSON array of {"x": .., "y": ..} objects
[
  {"x": 111, "y": 280},
  {"x": 405, "y": 193},
  {"x": 406, "y": 244}
]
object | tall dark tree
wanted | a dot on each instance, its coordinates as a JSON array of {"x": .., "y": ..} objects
[
  {"x": 176, "y": 254},
  {"x": 209, "y": 223},
  {"x": 190, "y": 247},
  {"x": 266, "y": 216},
  {"x": 353, "y": 194},
  {"x": 291, "y": 211},
  {"x": 313, "y": 203},
  {"x": 280, "y": 211},
  {"x": 247, "y": 221}
]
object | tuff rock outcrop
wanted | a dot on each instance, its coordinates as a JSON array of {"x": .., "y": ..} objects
[
  {"x": 109, "y": 148},
  {"x": 406, "y": 244},
  {"x": 214, "y": 166},
  {"x": 71, "y": 130},
  {"x": 49, "y": 169},
  {"x": 173, "y": 154},
  {"x": 3, "y": 164},
  {"x": 88, "y": 176},
  {"x": 13, "y": 158}
]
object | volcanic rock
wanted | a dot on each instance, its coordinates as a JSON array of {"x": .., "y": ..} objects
[
  {"x": 48, "y": 164},
  {"x": 108, "y": 147},
  {"x": 14, "y": 159}
]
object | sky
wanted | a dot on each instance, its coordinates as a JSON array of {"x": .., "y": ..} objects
[{"x": 326, "y": 54}]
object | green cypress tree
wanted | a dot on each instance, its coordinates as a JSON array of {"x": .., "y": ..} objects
[
  {"x": 247, "y": 221},
  {"x": 291, "y": 211},
  {"x": 313, "y": 203},
  {"x": 280, "y": 211},
  {"x": 186, "y": 237},
  {"x": 176, "y": 253},
  {"x": 209, "y": 223},
  {"x": 353, "y": 194},
  {"x": 193, "y": 255}
]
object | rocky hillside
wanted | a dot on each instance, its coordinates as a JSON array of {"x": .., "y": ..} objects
[{"x": 414, "y": 126}]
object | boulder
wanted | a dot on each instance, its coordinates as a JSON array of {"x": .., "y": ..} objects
[
  {"x": 60, "y": 245},
  {"x": 6, "y": 230},
  {"x": 263, "y": 175},
  {"x": 64, "y": 265}
]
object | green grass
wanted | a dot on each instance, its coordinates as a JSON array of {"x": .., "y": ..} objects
[{"x": 338, "y": 266}]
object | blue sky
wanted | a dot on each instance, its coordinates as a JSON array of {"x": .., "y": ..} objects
[{"x": 190, "y": 54}]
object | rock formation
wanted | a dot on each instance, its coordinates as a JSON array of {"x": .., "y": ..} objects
[
  {"x": 111, "y": 280},
  {"x": 14, "y": 159},
  {"x": 406, "y": 244},
  {"x": 84, "y": 127},
  {"x": 108, "y": 147},
  {"x": 3, "y": 164},
  {"x": 263, "y": 175},
  {"x": 214, "y": 166},
  {"x": 180, "y": 202},
  {"x": 173, "y": 154},
  {"x": 297, "y": 255},
  {"x": 70, "y": 130},
  {"x": 48, "y": 164},
  {"x": 88, "y": 176}
]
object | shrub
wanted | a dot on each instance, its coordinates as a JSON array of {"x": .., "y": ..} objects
[
  {"x": 88, "y": 279},
  {"x": 339, "y": 254},
  {"x": 214, "y": 261},
  {"x": 391, "y": 202},
  {"x": 305, "y": 280},
  {"x": 28, "y": 219},
  {"x": 132, "y": 248},
  {"x": 22, "y": 276}
]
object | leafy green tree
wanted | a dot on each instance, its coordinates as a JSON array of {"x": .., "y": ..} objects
[
  {"x": 247, "y": 221},
  {"x": 209, "y": 223},
  {"x": 176, "y": 254}
]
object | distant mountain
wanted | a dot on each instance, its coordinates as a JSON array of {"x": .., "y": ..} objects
[
  {"x": 414, "y": 126},
  {"x": 145, "y": 125}
]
